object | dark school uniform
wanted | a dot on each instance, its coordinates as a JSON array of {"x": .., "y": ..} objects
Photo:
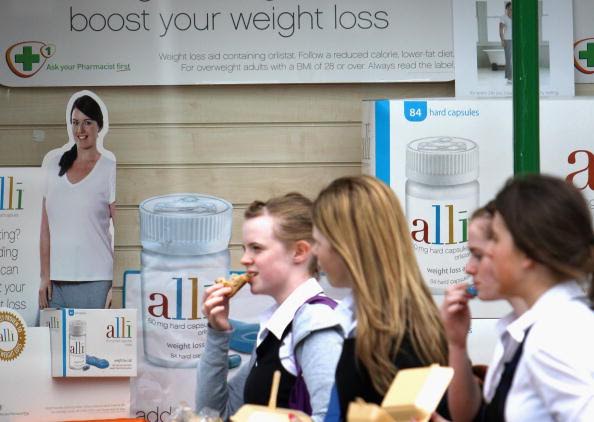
[{"x": 353, "y": 380}]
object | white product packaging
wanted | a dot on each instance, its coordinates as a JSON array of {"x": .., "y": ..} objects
[
  {"x": 442, "y": 158},
  {"x": 92, "y": 342},
  {"x": 185, "y": 239},
  {"x": 445, "y": 157},
  {"x": 441, "y": 188},
  {"x": 29, "y": 393}
]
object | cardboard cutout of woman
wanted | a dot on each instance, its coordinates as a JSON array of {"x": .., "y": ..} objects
[{"x": 76, "y": 247}]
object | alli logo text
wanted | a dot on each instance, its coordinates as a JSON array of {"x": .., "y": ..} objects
[
  {"x": 12, "y": 335},
  {"x": 11, "y": 194}
]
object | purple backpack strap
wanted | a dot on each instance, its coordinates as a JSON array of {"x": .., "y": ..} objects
[
  {"x": 299, "y": 397},
  {"x": 320, "y": 298}
]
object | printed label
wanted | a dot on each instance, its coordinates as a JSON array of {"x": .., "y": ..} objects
[
  {"x": 174, "y": 327},
  {"x": 439, "y": 230}
]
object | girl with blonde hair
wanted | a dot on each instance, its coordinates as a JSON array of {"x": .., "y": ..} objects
[{"x": 390, "y": 321}]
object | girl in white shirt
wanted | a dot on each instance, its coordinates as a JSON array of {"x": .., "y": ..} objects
[
  {"x": 464, "y": 393},
  {"x": 542, "y": 250}
]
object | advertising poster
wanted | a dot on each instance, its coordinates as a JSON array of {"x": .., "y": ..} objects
[
  {"x": 444, "y": 158},
  {"x": 566, "y": 143},
  {"x": 20, "y": 215},
  {"x": 76, "y": 233},
  {"x": 483, "y": 45},
  {"x": 184, "y": 42},
  {"x": 33, "y": 395},
  {"x": 159, "y": 388},
  {"x": 583, "y": 47}
]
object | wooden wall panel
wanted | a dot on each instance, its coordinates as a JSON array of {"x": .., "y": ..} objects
[
  {"x": 584, "y": 89},
  {"x": 193, "y": 144},
  {"x": 237, "y": 184},
  {"x": 213, "y": 104}
]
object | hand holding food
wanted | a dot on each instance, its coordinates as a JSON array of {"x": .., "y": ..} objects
[
  {"x": 215, "y": 303},
  {"x": 472, "y": 291},
  {"x": 236, "y": 282},
  {"x": 455, "y": 314}
]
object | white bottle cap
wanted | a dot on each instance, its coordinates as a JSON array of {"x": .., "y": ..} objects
[
  {"x": 77, "y": 327},
  {"x": 185, "y": 224},
  {"x": 442, "y": 160}
]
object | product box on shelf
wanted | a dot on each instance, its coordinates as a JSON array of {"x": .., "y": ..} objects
[
  {"x": 445, "y": 157},
  {"x": 92, "y": 342}
]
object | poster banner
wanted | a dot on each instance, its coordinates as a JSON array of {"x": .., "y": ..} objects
[
  {"x": 21, "y": 195},
  {"x": 567, "y": 147},
  {"x": 158, "y": 390},
  {"x": 146, "y": 42},
  {"x": 583, "y": 47},
  {"x": 33, "y": 395},
  {"x": 484, "y": 54},
  {"x": 444, "y": 158}
]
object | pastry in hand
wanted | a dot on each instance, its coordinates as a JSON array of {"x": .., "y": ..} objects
[{"x": 236, "y": 282}]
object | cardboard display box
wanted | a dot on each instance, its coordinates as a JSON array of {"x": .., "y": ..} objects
[
  {"x": 92, "y": 342},
  {"x": 413, "y": 395},
  {"x": 445, "y": 157}
]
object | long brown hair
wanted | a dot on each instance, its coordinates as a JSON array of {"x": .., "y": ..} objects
[
  {"x": 550, "y": 222},
  {"x": 363, "y": 221}
]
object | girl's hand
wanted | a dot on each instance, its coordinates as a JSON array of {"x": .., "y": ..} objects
[
  {"x": 455, "y": 315},
  {"x": 215, "y": 306}
]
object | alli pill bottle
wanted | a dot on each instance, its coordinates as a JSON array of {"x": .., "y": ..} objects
[
  {"x": 442, "y": 191},
  {"x": 185, "y": 239},
  {"x": 77, "y": 344}
]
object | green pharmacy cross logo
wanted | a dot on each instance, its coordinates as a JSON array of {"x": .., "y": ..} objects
[
  {"x": 27, "y": 58},
  {"x": 583, "y": 55},
  {"x": 588, "y": 54}
]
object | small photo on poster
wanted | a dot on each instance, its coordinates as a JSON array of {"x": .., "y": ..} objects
[{"x": 483, "y": 46}]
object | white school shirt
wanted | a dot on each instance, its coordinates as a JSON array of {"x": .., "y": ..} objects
[
  {"x": 79, "y": 220},
  {"x": 276, "y": 319},
  {"x": 507, "y": 22},
  {"x": 510, "y": 332},
  {"x": 347, "y": 314},
  {"x": 554, "y": 379}
]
